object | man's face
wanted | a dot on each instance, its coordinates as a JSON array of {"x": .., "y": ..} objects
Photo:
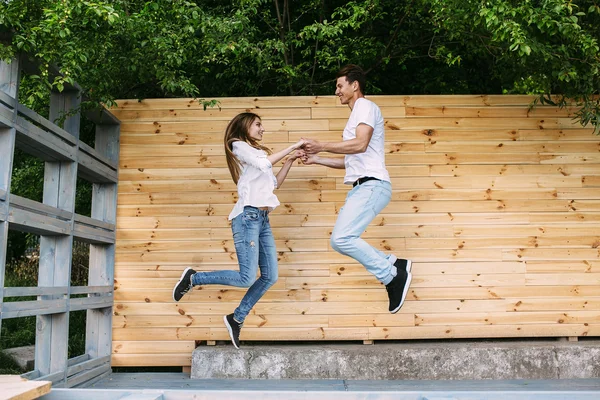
[
  {"x": 256, "y": 130},
  {"x": 344, "y": 90}
]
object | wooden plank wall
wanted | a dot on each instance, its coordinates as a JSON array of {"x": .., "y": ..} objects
[{"x": 498, "y": 206}]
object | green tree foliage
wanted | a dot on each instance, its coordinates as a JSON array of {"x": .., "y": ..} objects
[{"x": 209, "y": 48}]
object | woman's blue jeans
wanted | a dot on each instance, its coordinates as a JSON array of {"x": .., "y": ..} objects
[
  {"x": 363, "y": 203},
  {"x": 255, "y": 249}
]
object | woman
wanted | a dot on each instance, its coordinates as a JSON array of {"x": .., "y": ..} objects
[{"x": 250, "y": 165}]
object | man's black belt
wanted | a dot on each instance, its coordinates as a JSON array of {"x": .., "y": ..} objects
[{"x": 360, "y": 181}]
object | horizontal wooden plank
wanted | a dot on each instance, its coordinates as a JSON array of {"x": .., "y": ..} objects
[
  {"x": 383, "y": 219},
  {"x": 358, "y": 307},
  {"x": 27, "y": 220},
  {"x": 563, "y": 266},
  {"x": 150, "y": 347},
  {"x": 326, "y": 196},
  {"x": 29, "y": 308},
  {"x": 212, "y": 114},
  {"x": 158, "y": 360},
  {"x": 223, "y": 185},
  {"x": 221, "y": 209},
  {"x": 489, "y": 112},
  {"x": 229, "y": 102},
  {"x": 15, "y": 387},
  {"x": 581, "y": 147},
  {"x": 465, "y": 293},
  {"x": 495, "y": 242},
  {"x": 308, "y": 257},
  {"x": 469, "y": 123},
  {"x": 367, "y": 333},
  {"x": 162, "y": 292},
  {"x": 514, "y": 318},
  {"x": 225, "y": 246}
]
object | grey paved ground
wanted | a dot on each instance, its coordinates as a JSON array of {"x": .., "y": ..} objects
[{"x": 178, "y": 386}]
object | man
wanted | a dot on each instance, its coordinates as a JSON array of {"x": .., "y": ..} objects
[{"x": 364, "y": 161}]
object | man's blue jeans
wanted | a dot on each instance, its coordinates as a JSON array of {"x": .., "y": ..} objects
[
  {"x": 255, "y": 248},
  {"x": 363, "y": 203}
]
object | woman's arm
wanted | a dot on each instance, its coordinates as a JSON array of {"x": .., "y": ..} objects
[
  {"x": 258, "y": 159},
  {"x": 282, "y": 174},
  {"x": 276, "y": 157}
]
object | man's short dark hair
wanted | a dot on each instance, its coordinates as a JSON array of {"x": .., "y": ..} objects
[{"x": 353, "y": 73}]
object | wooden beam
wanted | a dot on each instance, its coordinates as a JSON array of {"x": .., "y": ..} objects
[
  {"x": 83, "y": 371},
  {"x": 24, "y": 203},
  {"x": 102, "y": 256},
  {"x": 60, "y": 181},
  {"x": 91, "y": 303},
  {"x": 34, "y": 307},
  {"x": 6, "y": 118},
  {"x": 27, "y": 221},
  {"x": 102, "y": 117},
  {"x": 33, "y": 139},
  {"x": 35, "y": 291},
  {"x": 91, "y": 230},
  {"x": 99, "y": 156},
  {"x": 46, "y": 125},
  {"x": 92, "y": 290},
  {"x": 94, "y": 170},
  {"x": 7, "y": 101}
]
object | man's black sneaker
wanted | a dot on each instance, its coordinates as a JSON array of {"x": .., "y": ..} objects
[
  {"x": 184, "y": 284},
  {"x": 401, "y": 263},
  {"x": 397, "y": 290},
  {"x": 234, "y": 329}
]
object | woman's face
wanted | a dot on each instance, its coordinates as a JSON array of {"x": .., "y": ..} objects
[{"x": 256, "y": 130}]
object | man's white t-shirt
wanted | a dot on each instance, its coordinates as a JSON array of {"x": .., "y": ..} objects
[{"x": 372, "y": 161}]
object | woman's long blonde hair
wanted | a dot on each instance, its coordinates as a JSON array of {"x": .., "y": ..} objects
[{"x": 238, "y": 129}]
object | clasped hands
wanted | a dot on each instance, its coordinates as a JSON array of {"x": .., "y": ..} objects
[{"x": 306, "y": 150}]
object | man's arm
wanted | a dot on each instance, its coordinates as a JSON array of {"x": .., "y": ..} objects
[
  {"x": 330, "y": 162},
  {"x": 357, "y": 145}
]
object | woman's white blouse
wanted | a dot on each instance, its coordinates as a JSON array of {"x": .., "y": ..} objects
[{"x": 256, "y": 183}]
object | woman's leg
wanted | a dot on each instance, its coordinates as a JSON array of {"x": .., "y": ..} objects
[
  {"x": 246, "y": 230},
  {"x": 267, "y": 261}
]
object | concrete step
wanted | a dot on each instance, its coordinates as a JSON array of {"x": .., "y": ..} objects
[{"x": 401, "y": 361}]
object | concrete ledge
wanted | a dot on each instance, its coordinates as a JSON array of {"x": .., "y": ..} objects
[
  {"x": 23, "y": 356},
  {"x": 401, "y": 361}
]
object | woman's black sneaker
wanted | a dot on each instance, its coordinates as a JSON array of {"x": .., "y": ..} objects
[
  {"x": 184, "y": 284},
  {"x": 234, "y": 329}
]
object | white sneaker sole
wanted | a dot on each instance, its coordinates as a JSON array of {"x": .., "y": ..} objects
[
  {"x": 179, "y": 281},
  {"x": 408, "y": 266},
  {"x": 230, "y": 331}
]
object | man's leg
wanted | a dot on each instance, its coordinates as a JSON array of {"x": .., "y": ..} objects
[{"x": 363, "y": 204}]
